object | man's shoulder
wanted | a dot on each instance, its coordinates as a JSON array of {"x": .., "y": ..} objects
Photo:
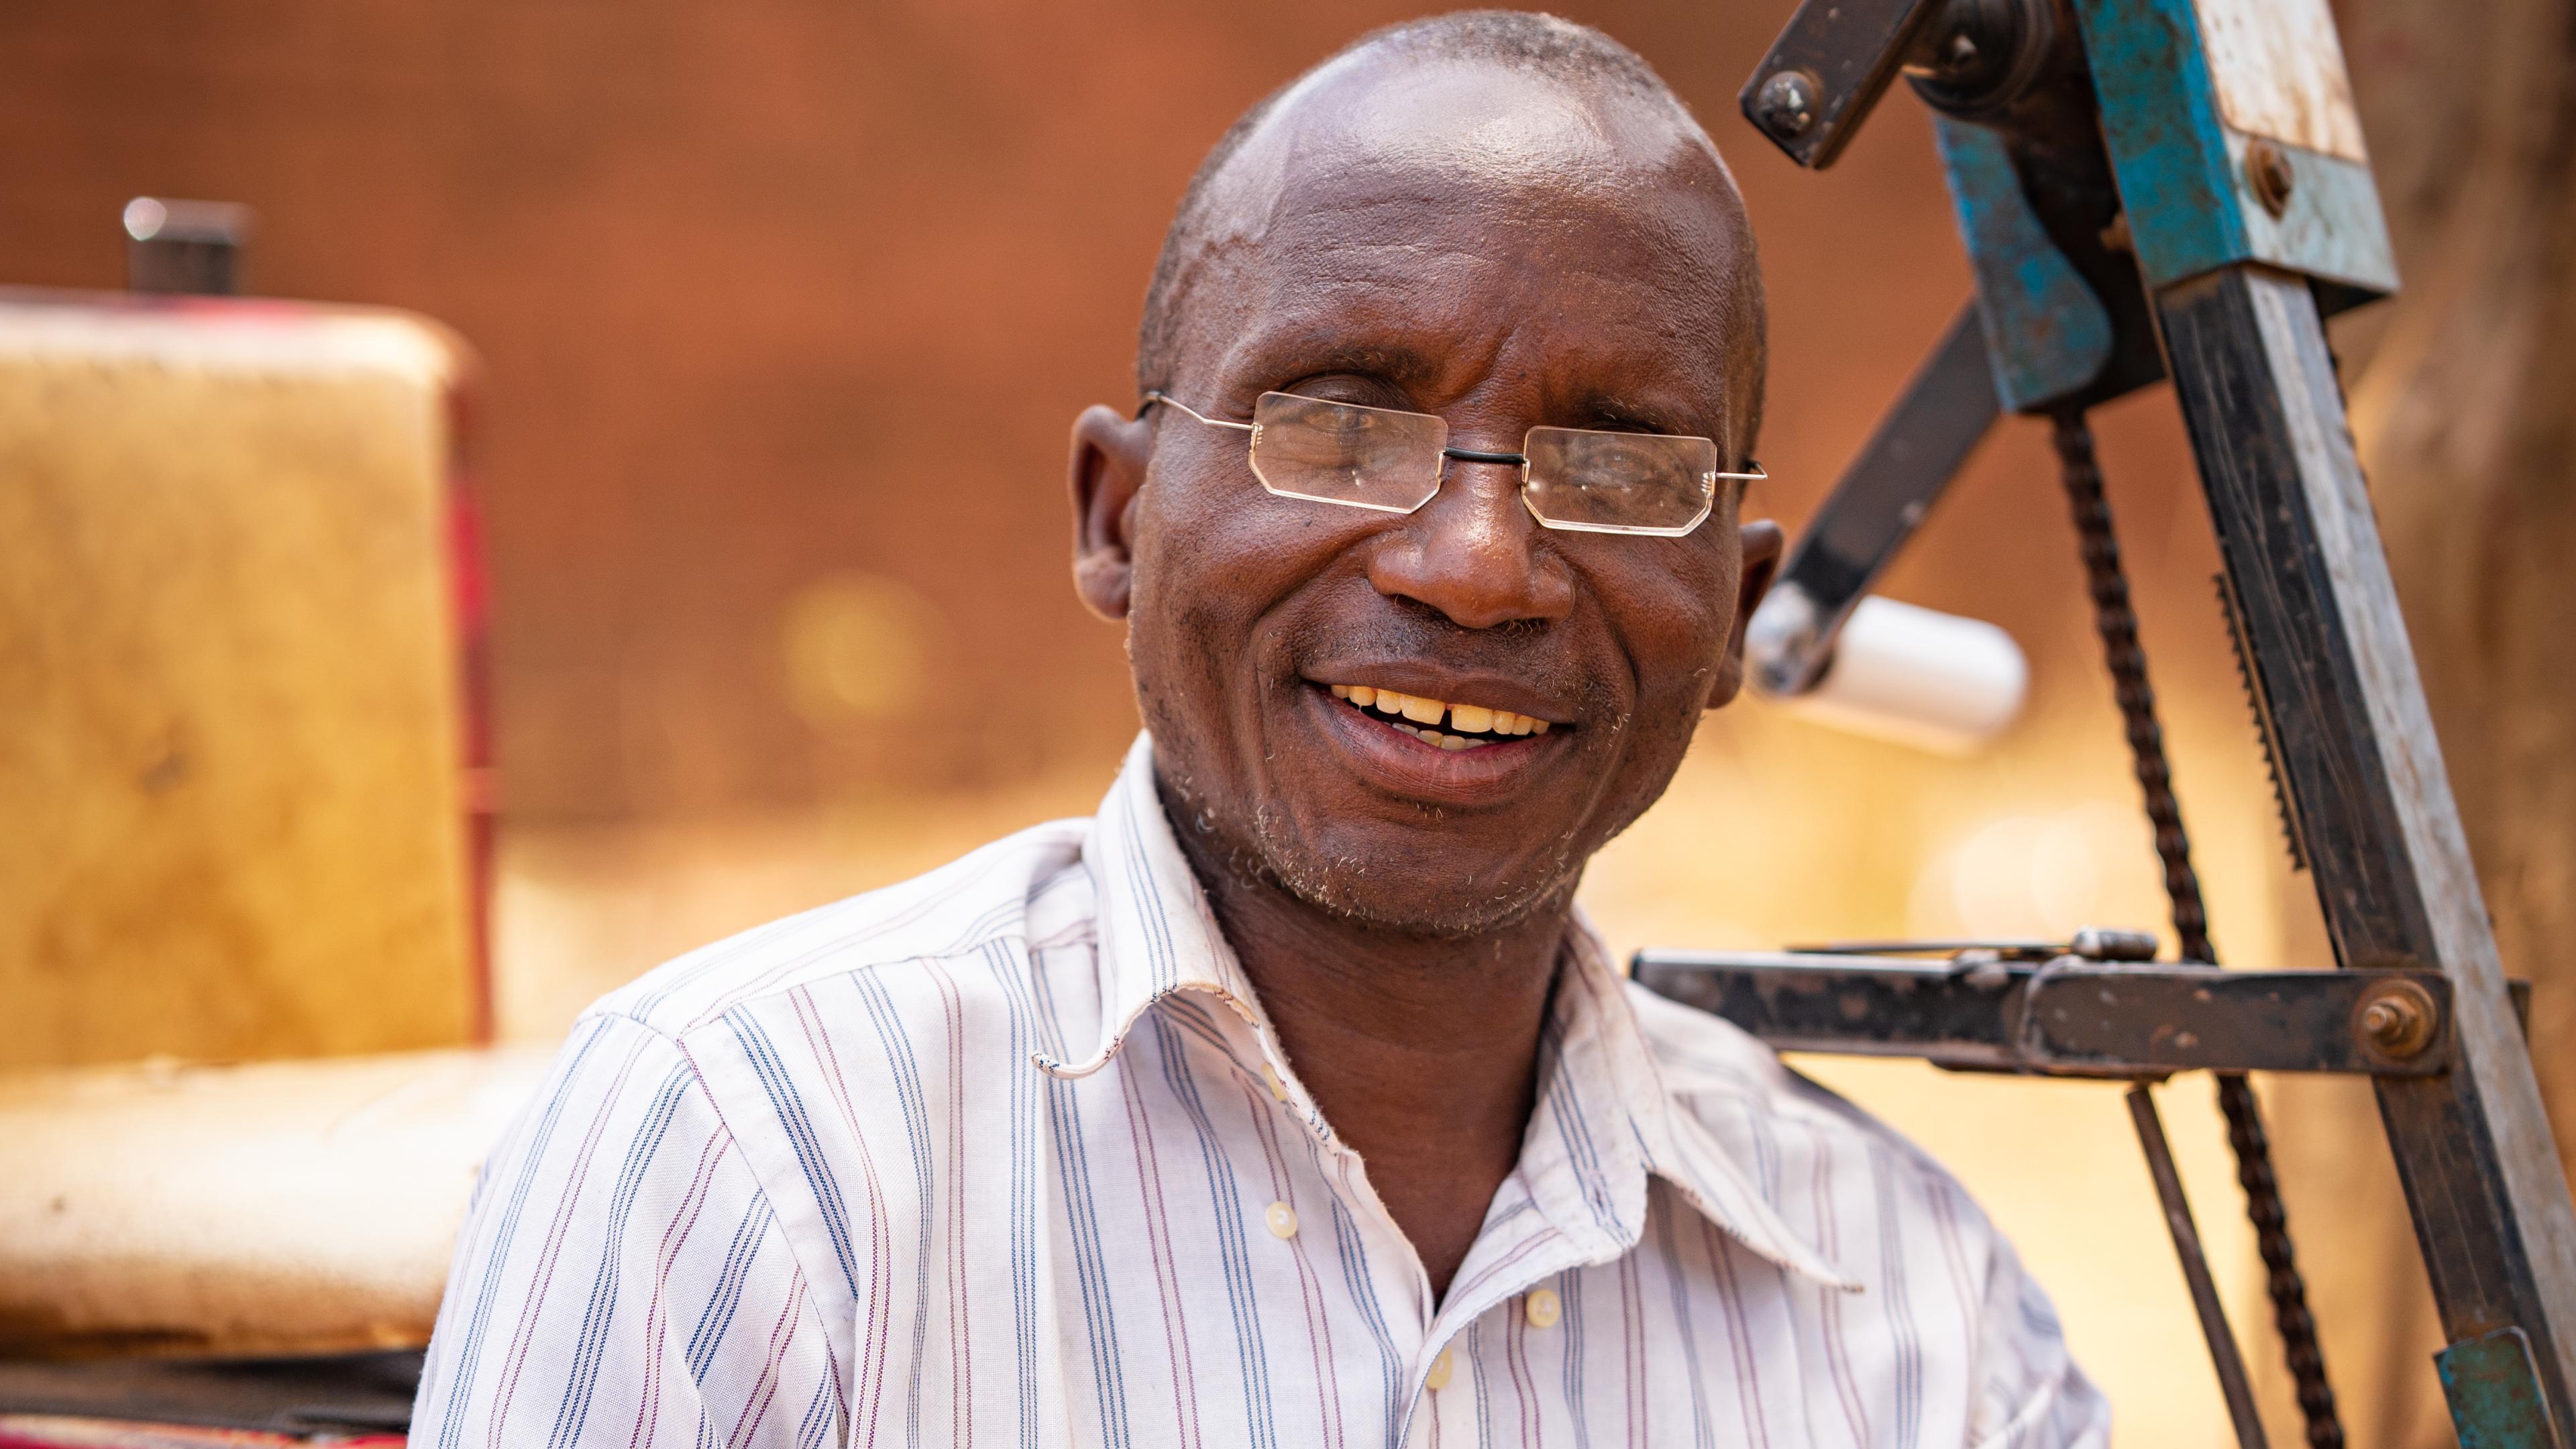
[
  {"x": 1026, "y": 888},
  {"x": 1739, "y": 1089}
]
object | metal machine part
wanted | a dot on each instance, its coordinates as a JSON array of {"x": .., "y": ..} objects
[
  {"x": 2235, "y": 1386},
  {"x": 2093, "y": 943},
  {"x": 2070, "y": 1017},
  {"x": 1834, "y": 61},
  {"x": 1881, "y": 498},
  {"x": 189, "y": 247},
  {"x": 1916, "y": 677},
  {"x": 2182, "y": 184},
  {"x": 2135, "y": 695},
  {"x": 1978, "y": 57},
  {"x": 2372, "y": 802}
]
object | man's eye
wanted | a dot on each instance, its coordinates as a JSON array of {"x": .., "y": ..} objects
[{"x": 1610, "y": 462}]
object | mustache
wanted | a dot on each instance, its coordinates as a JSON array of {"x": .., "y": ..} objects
[{"x": 1531, "y": 650}]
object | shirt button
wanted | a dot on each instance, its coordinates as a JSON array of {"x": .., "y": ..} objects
[
  {"x": 1283, "y": 1222},
  {"x": 1270, "y": 1074},
  {"x": 1543, "y": 1307},
  {"x": 1438, "y": 1378}
]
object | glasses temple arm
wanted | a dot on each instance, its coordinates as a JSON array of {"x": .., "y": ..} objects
[{"x": 1153, "y": 397}]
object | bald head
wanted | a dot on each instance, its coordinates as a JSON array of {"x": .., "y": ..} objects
[{"x": 1523, "y": 117}]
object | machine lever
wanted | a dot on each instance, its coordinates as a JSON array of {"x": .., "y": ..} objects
[
  {"x": 1947, "y": 409},
  {"x": 1832, "y": 62}
]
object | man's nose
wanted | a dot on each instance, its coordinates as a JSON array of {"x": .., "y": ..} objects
[{"x": 1470, "y": 553}]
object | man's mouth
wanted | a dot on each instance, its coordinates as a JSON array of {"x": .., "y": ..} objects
[{"x": 1447, "y": 724}]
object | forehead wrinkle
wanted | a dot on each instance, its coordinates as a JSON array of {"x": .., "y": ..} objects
[
  {"x": 1428, "y": 356},
  {"x": 1557, "y": 283}
]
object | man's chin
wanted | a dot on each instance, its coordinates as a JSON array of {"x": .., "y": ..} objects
[
  {"x": 1382, "y": 887},
  {"x": 1348, "y": 891}
]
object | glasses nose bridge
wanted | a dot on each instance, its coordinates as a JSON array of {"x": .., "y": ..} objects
[
  {"x": 1479, "y": 455},
  {"x": 1515, "y": 466},
  {"x": 1458, "y": 501},
  {"x": 1471, "y": 550}
]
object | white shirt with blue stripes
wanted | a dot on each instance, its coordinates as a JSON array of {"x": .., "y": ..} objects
[{"x": 1010, "y": 1155}]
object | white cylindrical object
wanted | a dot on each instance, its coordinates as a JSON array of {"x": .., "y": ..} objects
[{"x": 1917, "y": 677}]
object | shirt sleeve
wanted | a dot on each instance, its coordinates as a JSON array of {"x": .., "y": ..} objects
[
  {"x": 622, "y": 1279},
  {"x": 2030, "y": 1394}
]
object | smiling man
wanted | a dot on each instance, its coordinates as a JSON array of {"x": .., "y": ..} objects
[{"x": 1287, "y": 1101}]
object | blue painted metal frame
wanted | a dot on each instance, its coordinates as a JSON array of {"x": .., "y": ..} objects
[
  {"x": 2181, "y": 174},
  {"x": 2160, "y": 123},
  {"x": 2047, "y": 334},
  {"x": 2182, "y": 168},
  {"x": 2496, "y": 1402}
]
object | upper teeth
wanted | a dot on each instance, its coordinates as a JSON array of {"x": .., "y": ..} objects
[{"x": 1464, "y": 718}]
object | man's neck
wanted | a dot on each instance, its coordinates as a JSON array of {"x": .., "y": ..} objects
[{"x": 1421, "y": 1051}]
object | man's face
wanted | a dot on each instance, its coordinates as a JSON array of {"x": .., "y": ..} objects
[{"x": 1384, "y": 253}]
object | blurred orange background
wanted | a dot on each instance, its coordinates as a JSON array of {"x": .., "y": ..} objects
[{"x": 783, "y": 312}]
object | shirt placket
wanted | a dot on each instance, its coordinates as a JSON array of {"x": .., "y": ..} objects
[
  {"x": 1511, "y": 1274},
  {"x": 1330, "y": 1169},
  {"x": 1556, "y": 1213}
]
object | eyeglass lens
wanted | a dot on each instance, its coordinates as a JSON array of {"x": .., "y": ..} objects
[
  {"x": 1333, "y": 452},
  {"x": 1381, "y": 459},
  {"x": 1620, "y": 482}
]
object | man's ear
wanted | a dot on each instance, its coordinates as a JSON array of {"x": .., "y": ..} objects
[
  {"x": 1109, "y": 455},
  {"x": 1762, "y": 546}
]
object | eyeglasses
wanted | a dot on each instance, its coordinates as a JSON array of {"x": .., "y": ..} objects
[{"x": 1577, "y": 479}]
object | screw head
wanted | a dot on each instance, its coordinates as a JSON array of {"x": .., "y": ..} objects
[
  {"x": 1786, "y": 104},
  {"x": 2268, "y": 174}
]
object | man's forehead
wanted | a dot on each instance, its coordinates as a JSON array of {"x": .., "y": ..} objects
[
  {"x": 1473, "y": 214},
  {"x": 1462, "y": 125}
]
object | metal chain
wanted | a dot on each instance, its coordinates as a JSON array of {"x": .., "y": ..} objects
[{"x": 2118, "y": 626}]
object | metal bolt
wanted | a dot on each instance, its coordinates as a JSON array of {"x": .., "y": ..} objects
[
  {"x": 1787, "y": 104},
  {"x": 2398, "y": 1019},
  {"x": 2267, "y": 171},
  {"x": 2388, "y": 1022},
  {"x": 2101, "y": 943}
]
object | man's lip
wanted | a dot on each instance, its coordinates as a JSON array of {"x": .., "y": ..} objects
[
  {"x": 1423, "y": 681},
  {"x": 1402, "y": 765}
]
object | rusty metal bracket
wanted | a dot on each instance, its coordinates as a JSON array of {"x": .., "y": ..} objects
[{"x": 2069, "y": 1016}]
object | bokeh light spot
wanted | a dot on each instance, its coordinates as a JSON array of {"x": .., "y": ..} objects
[{"x": 857, "y": 648}]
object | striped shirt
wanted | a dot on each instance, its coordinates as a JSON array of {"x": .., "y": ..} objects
[{"x": 1010, "y": 1155}]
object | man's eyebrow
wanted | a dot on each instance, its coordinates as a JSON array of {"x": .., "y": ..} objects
[
  {"x": 1645, "y": 415},
  {"x": 1290, "y": 355},
  {"x": 1313, "y": 352}
]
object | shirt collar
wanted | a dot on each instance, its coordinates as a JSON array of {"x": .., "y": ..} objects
[
  {"x": 1604, "y": 1120},
  {"x": 1603, "y": 1049},
  {"x": 1157, "y": 936}
]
